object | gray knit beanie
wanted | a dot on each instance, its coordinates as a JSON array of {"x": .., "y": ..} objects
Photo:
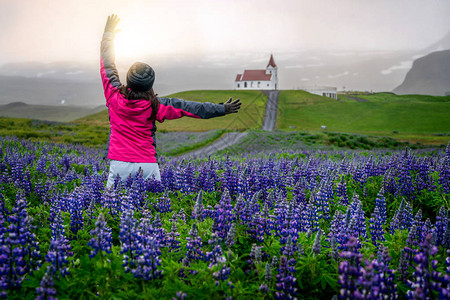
[{"x": 140, "y": 77}]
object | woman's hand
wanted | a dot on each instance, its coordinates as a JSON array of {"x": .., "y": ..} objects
[
  {"x": 111, "y": 24},
  {"x": 232, "y": 106}
]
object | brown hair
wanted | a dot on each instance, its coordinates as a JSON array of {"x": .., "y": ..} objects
[{"x": 136, "y": 95}]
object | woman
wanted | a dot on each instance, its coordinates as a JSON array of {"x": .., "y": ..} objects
[{"x": 134, "y": 108}]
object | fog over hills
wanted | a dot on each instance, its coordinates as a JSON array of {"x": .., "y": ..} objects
[{"x": 70, "y": 83}]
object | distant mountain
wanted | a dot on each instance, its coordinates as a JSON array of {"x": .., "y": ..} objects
[
  {"x": 46, "y": 112},
  {"x": 50, "y": 91},
  {"x": 429, "y": 75}
]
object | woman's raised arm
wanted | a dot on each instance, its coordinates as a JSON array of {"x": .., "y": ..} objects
[{"x": 108, "y": 70}]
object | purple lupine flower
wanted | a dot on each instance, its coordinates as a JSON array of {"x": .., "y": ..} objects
[
  {"x": 163, "y": 204},
  {"x": 334, "y": 254},
  {"x": 376, "y": 281},
  {"x": 110, "y": 200},
  {"x": 288, "y": 250},
  {"x": 444, "y": 178},
  {"x": 376, "y": 227},
  {"x": 182, "y": 215},
  {"x": 357, "y": 214},
  {"x": 322, "y": 198},
  {"x": 423, "y": 284},
  {"x": 126, "y": 203},
  {"x": 136, "y": 196},
  {"x": 446, "y": 240},
  {"x": 230, "y": 178},
  {"x": 147, "y": 252},
  {"x": 290, "y": 226},
  {"x": 384, "y": 276},
  {"x": 171, "y": 240},
  {"x": 270, "y": 199},
  {"x": 338, "y": 227},
  {"x": 366, "y": 282},
  {"x": 46, "y": 291},
  {"x": 286, "y": 282},
  {"x": 159, "y": 231},
  {"x": 441, "y": 225},
  {"x": 101, "y": 237},
  {"x": 197, "y": 212},
  {"x": 180, "y": 296},
  {"x": 252, "y": 260},
  {"x": 224, "y": 215},
  {"x": 309, "y": 218},
  {"x": 264, "y": 223},
  {"x": 268, "y": 272},
  {"x": 128, "y": 239},
  {"x": 349, "y": 269},
  {"x": 380, "y": 203},
  {"x": 76, "y": 207},
  {"x": 19, "y": 251},
  {"x": 194, "y": 245},
  {"x": 263, "y": 288},
  {"x": 427, "y": 229},
  {"x": 129, "y": 181},
  {"x": 239, "y": 207},
  {"x": 231, "y": 236},
  {"x": 243, "y": 184},
  {"x": 342, "y": 192},
  {"x": 403, "y": 265},
  {"x": 402, "y": 218},
  {"x": 274, "y": 262},
  {"x": 316, "y": 248},
  {"x": 217, "y": 260},
  {"x": 59, "y": 249}
]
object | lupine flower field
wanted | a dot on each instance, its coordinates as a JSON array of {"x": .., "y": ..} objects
[{"x": 305, "y": 224}]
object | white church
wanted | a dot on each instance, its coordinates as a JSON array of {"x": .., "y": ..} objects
[{"x": 258, "y": 79}]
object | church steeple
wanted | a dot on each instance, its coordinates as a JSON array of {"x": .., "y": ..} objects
[
  {"x": 271, "y": 62},
  {"x": 272, "y": 69}
]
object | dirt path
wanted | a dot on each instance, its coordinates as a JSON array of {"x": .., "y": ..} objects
[
  {"x": 270, "y": 119},
  {"x": 358, "y": 99},
  {"x": 270, "y": 116},
  {"x": 225, "y": 141}
]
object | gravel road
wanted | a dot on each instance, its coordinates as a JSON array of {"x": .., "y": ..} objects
[
  {"x": 270, "y": 119},
  {"x": 270, "y": 116},
  {"x": 358, "y": 99},
  {"x": 225, "y": 141}
]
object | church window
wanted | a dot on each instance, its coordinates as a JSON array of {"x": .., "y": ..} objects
[
  {"x": 239, "y": 85},
  {"x": 245, "y": 84}
]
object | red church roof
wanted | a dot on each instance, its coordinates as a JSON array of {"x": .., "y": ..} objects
[
  {"x": 251, "y": 75},
  {"x": 271, "y": 62}
]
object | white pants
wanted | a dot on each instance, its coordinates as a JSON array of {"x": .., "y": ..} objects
[{"x": 124, "y": 169}]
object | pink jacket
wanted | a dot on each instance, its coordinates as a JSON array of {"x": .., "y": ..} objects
[{"x": 132, "y": 130}]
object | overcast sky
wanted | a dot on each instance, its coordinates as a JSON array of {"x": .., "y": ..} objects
[{"x": 66, "y": 30}]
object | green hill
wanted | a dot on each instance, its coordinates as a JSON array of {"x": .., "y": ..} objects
[
  {"x": 249, "y": 117},
  {"x": 416, "y": 118},
  {"x": 59, "y": 113}
]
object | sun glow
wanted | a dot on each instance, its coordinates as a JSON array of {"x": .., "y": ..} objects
[{"x": 130, "y": 44}]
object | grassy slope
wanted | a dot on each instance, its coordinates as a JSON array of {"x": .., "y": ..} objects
[
  {"x": 416, "y": 118},
  {"x": 45, "y": 112},
  {"x": 52, "y": 131},
  {"x": 250, "y": 116}
]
